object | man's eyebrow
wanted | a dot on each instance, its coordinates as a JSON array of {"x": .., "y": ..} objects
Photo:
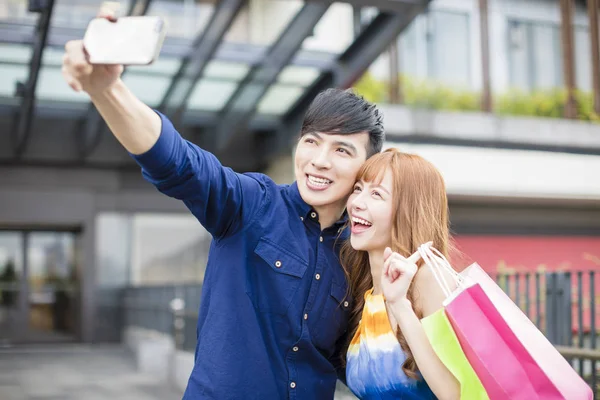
[
  {"x": 315, "y": 134},
  {"x": 346, "y": 144},
  {"x": 349, "y": 145}
]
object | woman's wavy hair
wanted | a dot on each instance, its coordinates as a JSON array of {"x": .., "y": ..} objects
[{"x": 420, "y": 215}]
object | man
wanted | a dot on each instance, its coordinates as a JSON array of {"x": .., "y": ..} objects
[{"x": 274, "y": 300}]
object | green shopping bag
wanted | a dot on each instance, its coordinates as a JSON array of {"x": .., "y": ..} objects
[{"x": 446, "y": 346}]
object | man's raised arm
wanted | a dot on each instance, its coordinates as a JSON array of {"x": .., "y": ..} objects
[
  {"x": 222, "y": 200},
  {"x": 132, "y": 122}
]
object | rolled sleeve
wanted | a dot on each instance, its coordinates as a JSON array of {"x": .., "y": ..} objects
[{"x": 221, "y": 199}]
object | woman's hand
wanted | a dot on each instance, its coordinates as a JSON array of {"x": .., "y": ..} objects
[{"x": 398, "y": 273}]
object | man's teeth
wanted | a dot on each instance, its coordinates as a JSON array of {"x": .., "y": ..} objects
[
  {"x": 361, "y": 221},
  {"x": 318, "y": 181}
]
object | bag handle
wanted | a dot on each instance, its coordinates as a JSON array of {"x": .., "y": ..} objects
[{"x": 438, "y": 264}]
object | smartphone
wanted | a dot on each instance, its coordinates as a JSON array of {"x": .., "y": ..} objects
[{"x": 127, "y": 41}]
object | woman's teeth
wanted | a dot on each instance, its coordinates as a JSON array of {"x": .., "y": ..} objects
[{"x": 361, "y": 221}]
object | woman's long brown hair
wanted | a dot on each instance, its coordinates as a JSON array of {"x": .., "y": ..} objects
[{"x": 420, "y": 215}]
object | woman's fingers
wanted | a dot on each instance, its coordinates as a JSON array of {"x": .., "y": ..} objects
[
  {"x": 401, "y": 265},
  {"x": 386, "y": 266}
]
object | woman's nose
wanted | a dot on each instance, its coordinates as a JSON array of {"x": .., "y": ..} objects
[{"x": 357, "y": 203}]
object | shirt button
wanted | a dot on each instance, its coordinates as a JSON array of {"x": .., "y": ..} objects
[
  {"x": 301, "y": 218},
  {"x": 345, "y": 304},
  {"x": 295, "y": 348},
  {"x": 293, "y": 385},
  {"x": 313, "y": 214},
  {"x": 278, "y": 264},
  {"x": 317, "y": 276},
  {"x": 305, "y": 316},
  {"x": 321, "y": 239}
]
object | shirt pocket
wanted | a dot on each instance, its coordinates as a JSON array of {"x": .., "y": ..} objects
[
  {"x": 275, "y": 277},
  {"x": 334, "y": 319}
]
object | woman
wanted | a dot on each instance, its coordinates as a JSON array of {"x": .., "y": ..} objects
[{"x": 399, "y": 202}]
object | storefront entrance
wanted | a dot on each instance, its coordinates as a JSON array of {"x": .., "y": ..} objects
[{"x": 39, "y": 286}]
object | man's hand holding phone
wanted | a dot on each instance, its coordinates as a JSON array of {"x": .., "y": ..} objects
[
  {"x": 95, "y": 63},
  {"x": 80, "y": 74}
]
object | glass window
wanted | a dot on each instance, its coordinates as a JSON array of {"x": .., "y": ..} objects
[
  {"x": 9, "y": 76},
  {"x": 296, "y": 75},
  {"x": 52, "y": 86},
  {"x": 335, "y": 30},
  {"x": 15, "y": 53},
  {"x": 113, "y": 249},
  {"x": 211, "y": 95},
  {"x": 15, "y": 11},
  {"x": 168, "y": 248},
  {"x": 185, "y": 19},
  {"x": 279, "y": 99},
  {"x": 149, "y": 88},
  {"x": 534, "y": 55},
  {"x": 583, "y": 58},
  {"x": 226, "y": 70},
  {"x": 437, "y": 46},
  {"x": 448, "y": 47},
  {"x": 262, "y": 21},
  {"x": 409, "y": 47}
]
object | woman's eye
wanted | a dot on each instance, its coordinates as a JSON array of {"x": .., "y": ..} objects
[
  {"x": 357, "y": 189},
  {"x": 376, "y": 193}
]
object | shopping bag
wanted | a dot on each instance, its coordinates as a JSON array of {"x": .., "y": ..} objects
[
  {"x": 502, "y": 361},
  {"x": 446, "y": 346},
  {"x": 552, "y": 363}
]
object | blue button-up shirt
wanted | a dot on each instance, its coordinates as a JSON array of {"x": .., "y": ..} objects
[{"x": 273, "y": 308}]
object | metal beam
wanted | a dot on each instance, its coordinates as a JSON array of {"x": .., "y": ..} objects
[
  {"x": 595, "y": 51},
  {"x": 139, "y": 7},
  {"x": 486, "y": 93},
  {"x": 23, "y": 118},
  {"x": 372, "y": 41},
  {"x": 394, "y": 6},
  {"x": 173, "y": 47},
  {"x": 89, "y": 130},
  {"x": 243, "y": 103},
  {"x": 203, "y": 50},
  {"x": 568, "y": 55},
  {"x": 73, "y": 111}
]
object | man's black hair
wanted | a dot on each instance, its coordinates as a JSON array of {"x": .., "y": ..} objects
[{"x": 343, "y": 112}]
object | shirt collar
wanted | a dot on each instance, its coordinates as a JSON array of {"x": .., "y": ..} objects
[
  {"x": 304, "y": 210},
  {"x": 301, "y": 207}
]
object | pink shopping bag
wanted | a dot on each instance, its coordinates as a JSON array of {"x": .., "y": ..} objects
[
  {"x": 511, "y": 357},
  {"x": 504, "y": 366},
  {"x": 553, "y": 365}
]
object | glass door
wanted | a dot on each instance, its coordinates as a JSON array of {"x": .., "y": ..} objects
[
  {"x": 12, "y": 287},
  {"x": 39, "y": 287},
  {"x": 53, "y": 286}
]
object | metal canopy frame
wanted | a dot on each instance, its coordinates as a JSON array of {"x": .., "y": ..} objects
[
  {"x": 239, "y": 118},
  {"x": 243, "y": 103},
  {"x": 368, "y": 45},
  {"x": 88, "y": 132},
  {"x": 203, "y": 50},
  {"x": 393, "y": 6},
  {"x": 22, "y": 122}
]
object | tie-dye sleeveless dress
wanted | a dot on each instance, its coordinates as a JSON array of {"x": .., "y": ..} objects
[{"x": 375, "y": 358}]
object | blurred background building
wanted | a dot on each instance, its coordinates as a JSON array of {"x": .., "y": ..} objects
[{"x": 503, "y": 96}]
